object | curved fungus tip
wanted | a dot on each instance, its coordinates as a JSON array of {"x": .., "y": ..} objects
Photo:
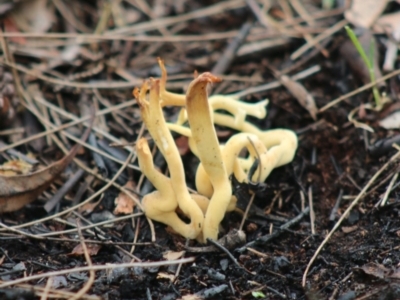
[
  {"x": 154, "y": 85},
  {"x": 142, "y": 146},
  {"x": 135, "y": 93},
  {"x": 207, "y": 77},
  {"x": 140, "y": 94}
]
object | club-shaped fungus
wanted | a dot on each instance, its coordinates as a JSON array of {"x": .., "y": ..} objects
[
  {"x": 153, "y": 118},
  {"x": 271, "y": 148}
]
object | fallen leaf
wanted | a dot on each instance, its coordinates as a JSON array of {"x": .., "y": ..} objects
[
  {"x": 19, "y": 190},
  {"x": 88, "y": 208},
  {"x": 363, "y": 13},
  {"x": 349, "y": 229},
  {"x": 34, "y": 16},
  {"x": 374, "y": 270},
  {"x": 124, "y": 204},
  {"x": 15, "y": 167},
  {"x": 301, "y": 94},
  {"x": 93, "y": 249},
  {"x": 163, "y": 275},
  {"x": 172, "y": 255},
  {"x": 392, "y": 121}
]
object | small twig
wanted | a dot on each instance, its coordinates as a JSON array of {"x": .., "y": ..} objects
[
  {"x": 389, "y": 189},
  {"x": 258, "y": 181},
  {"x": 178, "y": 269},
  {"x": 64, "y": 190},
  {"x": 99, "y": 268},
  {"x": 223, "y": 249},
  {"x": 359, "y": 90},
  {"x": 92, "y": 274},
  {"x": 246, "y": 212},
  {"x": 327, "y": 33},
  {"x": 229, "y": 54},
  {"x": 15, "y": 153},
  {"x": 275, "y": 84},
  {"x": 266, "y": 238},
  {"x": 102, "y": 235},
  {"x": 312, "y": 213},
  {"x": 53, "y": 293},
  {"x": 332, "y": 216},
  {"x": 46, "y": 289},
  {"x": 345, "y": 214}
]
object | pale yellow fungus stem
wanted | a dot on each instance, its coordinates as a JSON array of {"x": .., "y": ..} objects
[
  {"x": 205, "y": 139},
  {"x": 154, "y": 119}
]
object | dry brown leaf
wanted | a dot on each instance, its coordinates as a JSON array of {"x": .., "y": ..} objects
[
  {"x": 349, "y": 229},
  {"x": 364, "y": 13},
  {"x": 301, "y": 94},
  {"x": 15, "y": 167},
  {"x": 17, "y": 191},
  {"x": 172, "y": 255},
  {"x": 163, "y": 275},
  {"x": 93, "y": 249},
  {"x": 88, "y": 208},
  {"x": 374, "y": 270},
  {"x": 124, "y": 204}
]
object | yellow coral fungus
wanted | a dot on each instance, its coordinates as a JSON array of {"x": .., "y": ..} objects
[{"x": 217, "y": 162}]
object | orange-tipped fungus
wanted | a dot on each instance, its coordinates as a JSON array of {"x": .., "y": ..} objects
[
  {"x": 273, "y": 148},
  {"x": 153, "y": 117},
  {"x": 205, "y": 139}
]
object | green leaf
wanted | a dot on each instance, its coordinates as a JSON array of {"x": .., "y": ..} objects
[{"x": 258, "y": 294}]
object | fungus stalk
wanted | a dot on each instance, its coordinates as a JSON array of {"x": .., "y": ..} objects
[
  {"x": 153, "y": 118},
  {"x": 206, "y": 142}
]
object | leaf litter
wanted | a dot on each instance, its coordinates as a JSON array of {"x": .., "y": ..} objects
[{"x": 63, "y": 61}]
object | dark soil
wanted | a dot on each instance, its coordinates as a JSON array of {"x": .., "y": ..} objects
[{"x": 333, "y": 163}]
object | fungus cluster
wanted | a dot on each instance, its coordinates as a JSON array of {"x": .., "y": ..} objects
[{"x": 266, "y": 150}]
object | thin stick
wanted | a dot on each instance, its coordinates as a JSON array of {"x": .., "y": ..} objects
[
  {"x": 266, "y": 238},
  {"x": 246, "y": 212},
  {"x": 359, "y": 90},
  {"x": 339, "y": 25},
  {"x": 230, "y": 52},
  {"x": 46, "y": 289},
  {"x": 345, "y": 214},
  {"x": 223, "y": 249},
  {"x": 92, "y": 274},
  {"x": 312, "y": 213},
  {"x": 156, "y": 264},
  {"x": 254, "y": 194},
  {"x": 275, "y": 84},
  {"x": 53, "y": 293},
  {"x": 389, "y": 189}
]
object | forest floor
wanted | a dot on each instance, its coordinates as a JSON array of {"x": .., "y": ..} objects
[{"x": 325, "y": 226}]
